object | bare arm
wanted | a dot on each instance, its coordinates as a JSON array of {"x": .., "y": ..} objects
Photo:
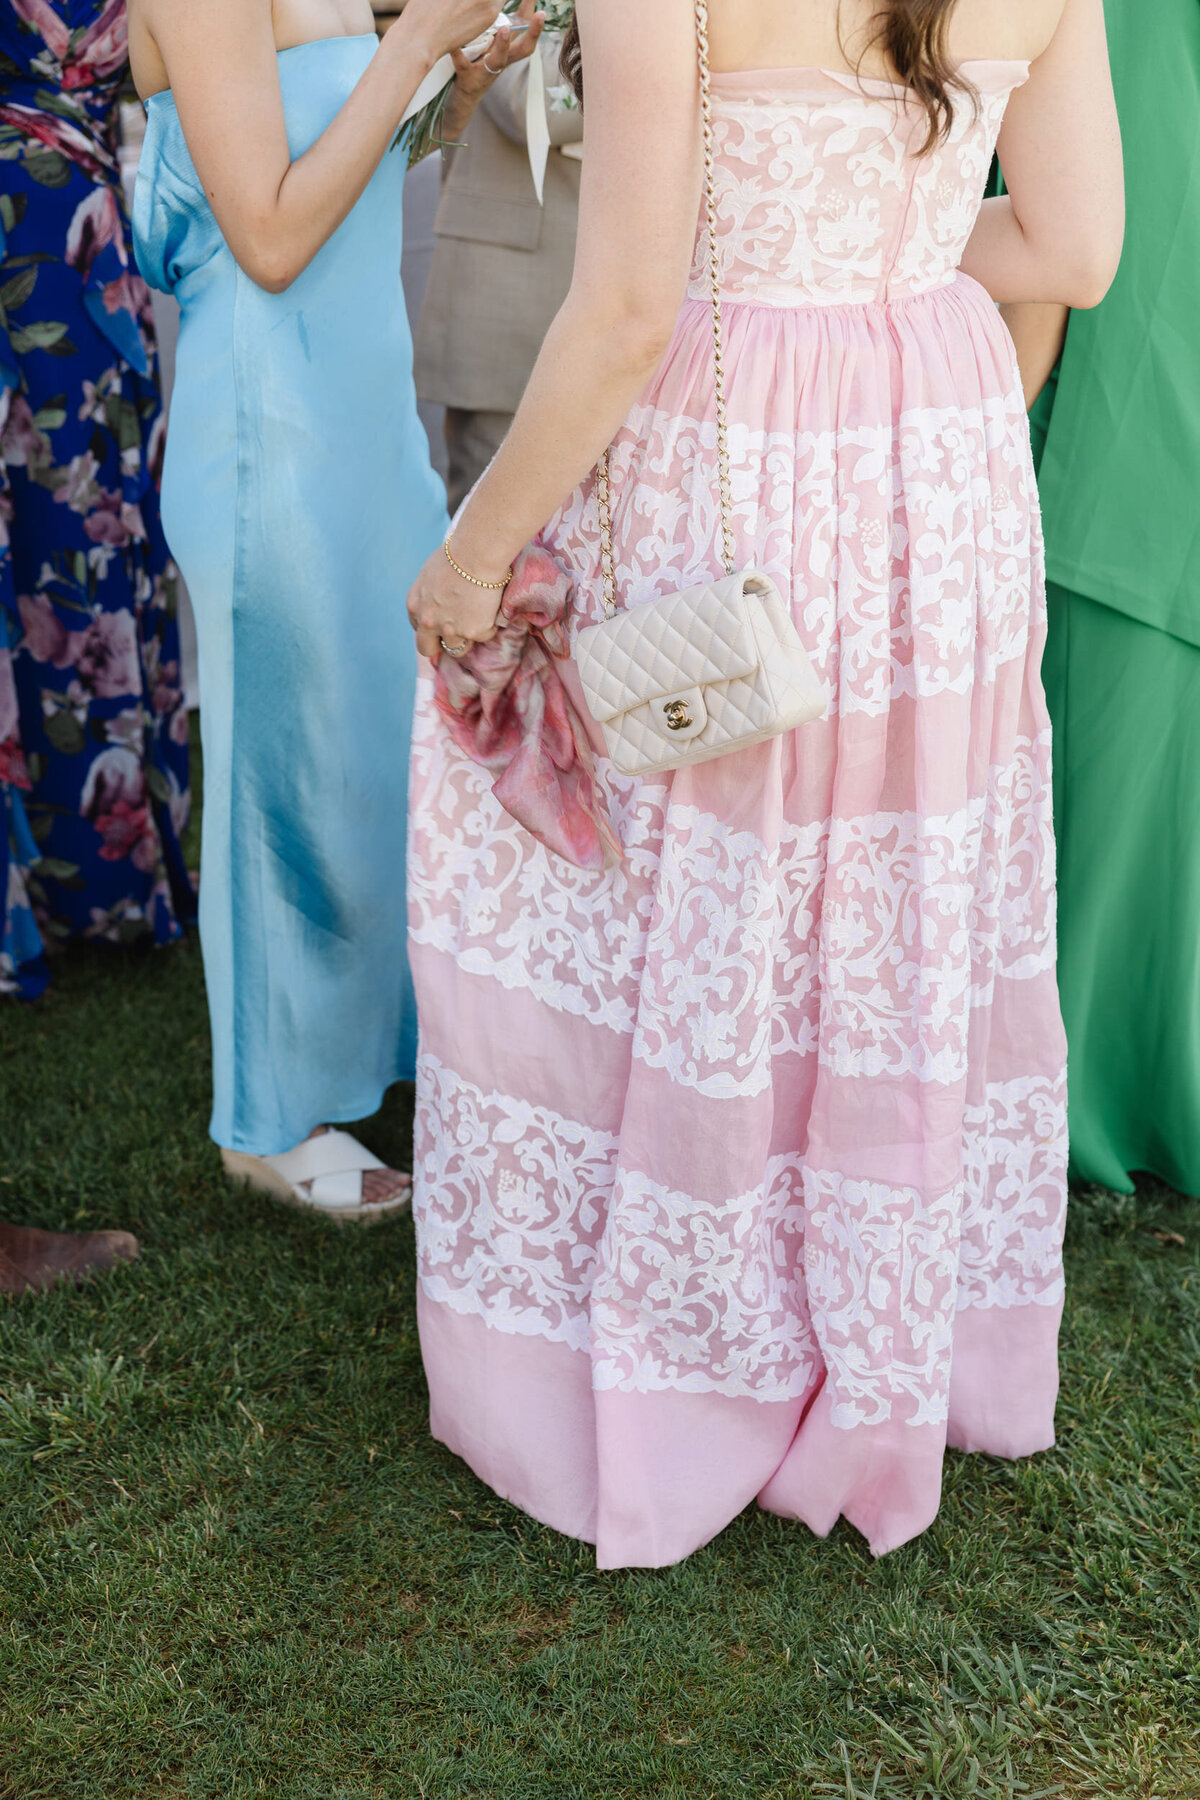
[
  {"x": 639, "y": 201},
  {"x": 1039, "y": 330},
  {"x": 220, "y": 59},
  {"x": 475, "y": 83},
  {"x": 1057, "y": 234}
]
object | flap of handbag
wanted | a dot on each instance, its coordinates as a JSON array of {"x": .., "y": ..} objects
[{"x": 678, "y": 642}]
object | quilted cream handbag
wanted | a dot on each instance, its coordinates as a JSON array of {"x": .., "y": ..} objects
[{"x": 718, "y": 667}]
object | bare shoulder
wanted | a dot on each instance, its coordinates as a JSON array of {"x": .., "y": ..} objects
[
  {"x": 166, "y": 36},
  {"x": 835, "y": 33},
  {"x": 145, "y": 59},
  {"x": 1003, "y": 29}
]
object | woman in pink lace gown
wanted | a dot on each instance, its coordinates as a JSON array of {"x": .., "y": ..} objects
[{"x": 741, "y": 1165}]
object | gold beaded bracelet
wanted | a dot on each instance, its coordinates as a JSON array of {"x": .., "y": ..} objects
[{"x": 474, "y": 579}]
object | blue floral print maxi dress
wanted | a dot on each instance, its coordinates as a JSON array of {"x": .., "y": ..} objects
[{"x": 93, "y": 729}]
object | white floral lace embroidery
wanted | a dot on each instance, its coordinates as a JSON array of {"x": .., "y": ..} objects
[
  {"x": 888, "y": 1270},
  {"x": 525, "y": 1219},
  {"x": 729, "y": 978},
  {"x": 951, "y": 488},
  {"x": 511, "y": 1201},
  {"x": 817, "y": 202},
  {"x": 919, "y": 913},
  {"x": 1014, "y": 1154},
  {"x": 481, "y": 890},
  {"x": 703, "y": 1297},
  {"x": 881, "y": 1265},
  {"x": 874, "y": 936},
  {"x": 529, "y": 1220}
]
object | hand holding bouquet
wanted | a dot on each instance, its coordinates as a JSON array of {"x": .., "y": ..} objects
[{"x": 450, "y": 93}]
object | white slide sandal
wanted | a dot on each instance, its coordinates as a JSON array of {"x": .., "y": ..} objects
[{"x": 324, "y": 1174}]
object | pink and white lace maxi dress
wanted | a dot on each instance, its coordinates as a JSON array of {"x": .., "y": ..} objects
[{"x": 741, "y": 1168}]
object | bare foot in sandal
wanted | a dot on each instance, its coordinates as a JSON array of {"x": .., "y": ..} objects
[
  {"x": 380, "y": 1187},
  {"x": 330, "y": 1173}
]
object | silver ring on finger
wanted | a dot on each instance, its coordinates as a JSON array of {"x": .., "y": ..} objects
[
  {"x": 487, "y": 65},
  {"x": 456, "y": 650}
]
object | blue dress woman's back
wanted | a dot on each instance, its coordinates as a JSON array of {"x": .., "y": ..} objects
[{"x": 299, "y": 501}]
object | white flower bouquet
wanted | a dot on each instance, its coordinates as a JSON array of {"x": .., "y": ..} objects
[{"x": 421, "y": 128}]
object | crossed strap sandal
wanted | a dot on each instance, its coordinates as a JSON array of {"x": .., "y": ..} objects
[{"x": 324, "y": 1174}]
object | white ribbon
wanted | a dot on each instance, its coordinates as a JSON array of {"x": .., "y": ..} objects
[{"x": 537, "y": 125}]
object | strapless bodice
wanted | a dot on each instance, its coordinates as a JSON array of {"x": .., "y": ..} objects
[
  {"x": 175, "y": 232},
  {"x": 823, "y": 197}
]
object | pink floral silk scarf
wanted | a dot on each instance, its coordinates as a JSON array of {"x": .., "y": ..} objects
[{"x": 507, "y": 707}]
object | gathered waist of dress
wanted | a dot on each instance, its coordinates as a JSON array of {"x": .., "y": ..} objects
[
  {"x": 854, "y": 297},
  {"x": 861, "y": 355}
]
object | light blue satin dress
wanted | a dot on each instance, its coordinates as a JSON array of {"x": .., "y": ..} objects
[{"x": 299, "y": 501}]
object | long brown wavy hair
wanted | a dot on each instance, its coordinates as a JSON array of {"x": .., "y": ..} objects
[{"x": 914, "y": 36}]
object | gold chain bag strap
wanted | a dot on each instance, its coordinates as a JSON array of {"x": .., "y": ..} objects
[{"x": 718, "y": 667}]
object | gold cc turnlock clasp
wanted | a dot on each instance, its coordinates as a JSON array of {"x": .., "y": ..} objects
[{"x": 678, "y": 715}]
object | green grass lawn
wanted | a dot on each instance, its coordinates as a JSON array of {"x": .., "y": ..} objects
[{"x": 233, "y": 1563}]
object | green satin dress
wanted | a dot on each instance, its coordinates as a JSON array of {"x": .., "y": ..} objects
[{"x": 1119, "y": 434}]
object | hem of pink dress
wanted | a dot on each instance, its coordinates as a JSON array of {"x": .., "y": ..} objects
[
  {"x": 886, "y": 1479},
  {"x": 650, "y": 1478}
]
